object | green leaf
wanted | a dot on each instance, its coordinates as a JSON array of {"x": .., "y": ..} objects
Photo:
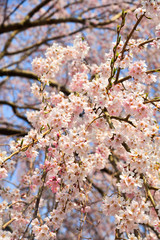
[
  {"x": 118, "y": 28},
  {"x": 112, "y": 60},
  {"x": 42, "y": 128},
  {"x": 114, "y": 70},
  {"x": 22, "y": 142}
]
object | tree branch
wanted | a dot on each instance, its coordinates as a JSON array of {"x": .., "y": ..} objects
[
  {"x": 13, "y": 105},
  {"x": 26, "y": 23},
  {"x": 30, "y": 75},
  {"x": 128, "y": 77},
  {"x": 12, "y": 131}
]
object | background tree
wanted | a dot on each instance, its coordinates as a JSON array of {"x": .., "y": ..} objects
[{"x": 27, "y": 29}]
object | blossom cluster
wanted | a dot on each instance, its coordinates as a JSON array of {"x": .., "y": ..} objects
[{"x": 150, "y": 7}]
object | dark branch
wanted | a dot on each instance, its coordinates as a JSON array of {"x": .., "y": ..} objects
[
  {"x": 30, "y": 75},
  {"x": 28, "y": 24},
  {"x": 12, "y": 104},
  {"x": 12, "y": 131}
]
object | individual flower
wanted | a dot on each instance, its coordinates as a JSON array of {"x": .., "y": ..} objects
[{"x": 3, "y": 173}]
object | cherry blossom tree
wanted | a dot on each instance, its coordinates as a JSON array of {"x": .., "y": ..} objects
[{"x": 80, "y": 152}]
